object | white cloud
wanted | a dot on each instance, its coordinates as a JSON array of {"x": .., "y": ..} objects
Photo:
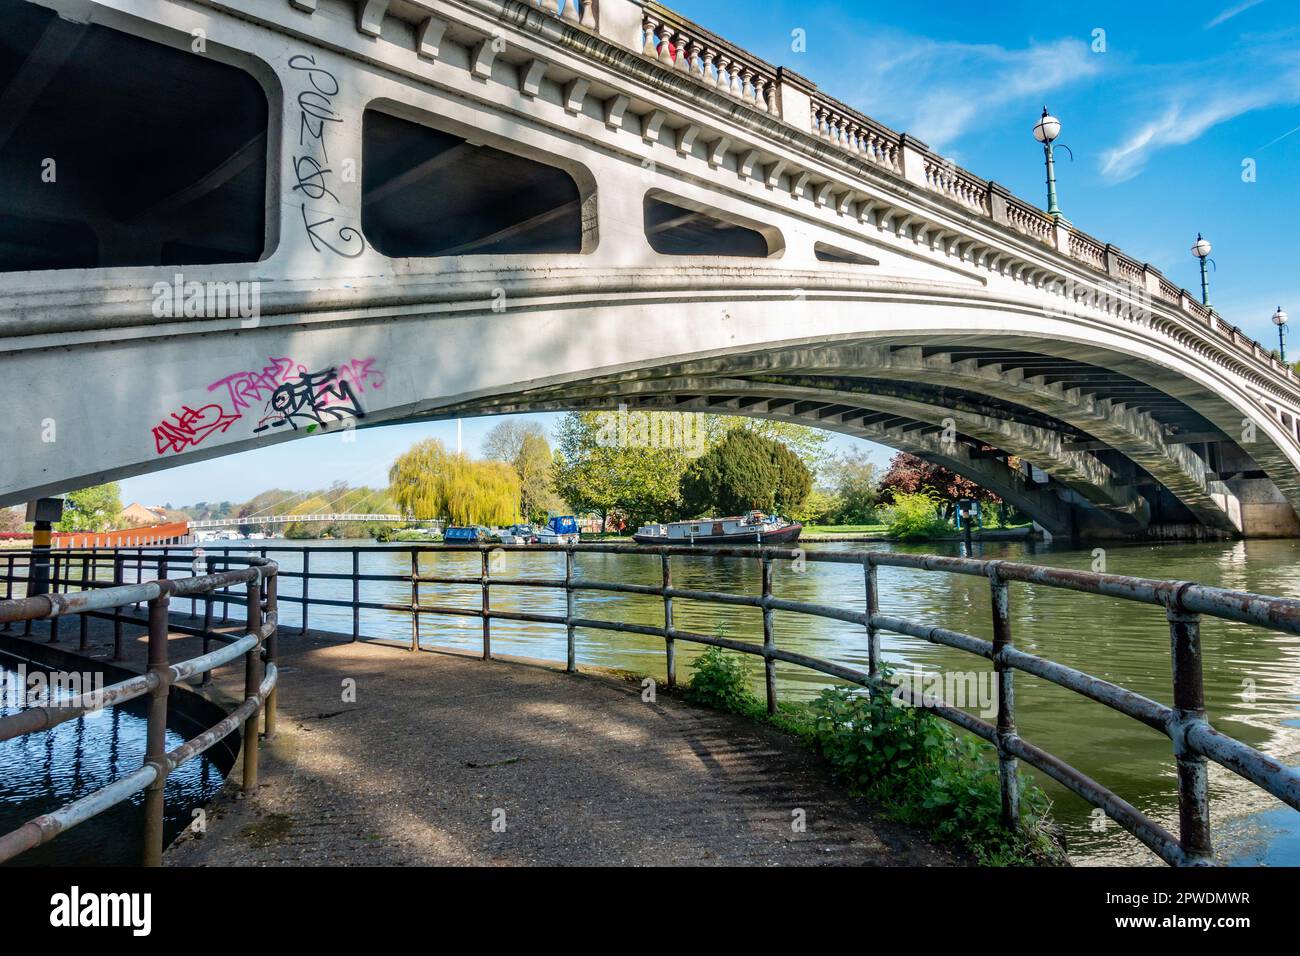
[
  {"x": 1231, "y": 12},
  {"x": 938, "y": 90},
  {"x": 1197, "y": 101}
]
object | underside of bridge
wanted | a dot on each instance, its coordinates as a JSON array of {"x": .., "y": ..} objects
[{"x": 1083, "y": 450}]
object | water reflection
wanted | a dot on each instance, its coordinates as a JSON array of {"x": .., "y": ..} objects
[{"x": 43, "y": 771}]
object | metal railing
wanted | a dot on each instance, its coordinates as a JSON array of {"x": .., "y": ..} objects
[
  {"x": 1194, "y": 740},
  {"x": 257, "y": 646}
]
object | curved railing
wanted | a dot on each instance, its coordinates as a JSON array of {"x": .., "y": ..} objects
[
  {"x": 1194, "y": 740},
  {"x": 257, "y": 646}
]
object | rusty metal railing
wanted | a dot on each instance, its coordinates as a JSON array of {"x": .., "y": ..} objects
[
  {"x": 1194, "y": 740},
  {"x": 257, "y": 646}
]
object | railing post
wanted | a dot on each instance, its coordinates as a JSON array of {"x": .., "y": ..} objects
[
  {"x": 57, "y": 562},
  {"x": 208, "y": 597},
  {"x": 225, "y": 592},
  {"x": 119, "y": 572},
  {"x": 873, "y": 608},
  {"x": 1006, "y": 728},
  {"x": 487, "y": 607},
  {"x": 1189, "y": 708},
  {"x": 272, "y": 655},
  {"x": 670, "y": 645},
  {"x": 252, "y": 683},
  {"x": 83, "y": 620},
  {"x": 415, "y": 600},
  {"x": 9, "y": 585},
  {"x": 571, "y": 657},
  {"x": 155, "y": 748},
  {"x": 769, "y": 638},
  {"x": 306, "y": 586},
  {"x": 356, "y": 594}
]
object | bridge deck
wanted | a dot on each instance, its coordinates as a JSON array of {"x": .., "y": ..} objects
[{"x": 585, "y": 771}]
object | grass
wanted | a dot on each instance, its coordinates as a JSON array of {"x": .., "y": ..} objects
[
  {"x": 878, "y": 527},
  {"x": 908, "y": 763}
]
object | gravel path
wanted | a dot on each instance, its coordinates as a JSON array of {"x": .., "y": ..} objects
[{"x": 444, "y": 759}]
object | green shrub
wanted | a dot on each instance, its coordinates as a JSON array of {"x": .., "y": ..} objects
[
  {"x": 921, "y": 772},
  {"x": 914, "y": 517},
  {"x": 719, "y": 680}
]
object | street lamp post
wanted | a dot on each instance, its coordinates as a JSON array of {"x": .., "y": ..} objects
[
  {"x": 1046, "y": 130},
  {"x": 1279, "y": 319},
  {"x": 1201, "y": 249}
]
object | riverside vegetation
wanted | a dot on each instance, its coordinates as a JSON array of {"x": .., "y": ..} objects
[{"x": 908, "y": 763}]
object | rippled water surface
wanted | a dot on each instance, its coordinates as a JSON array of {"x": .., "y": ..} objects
[{"x": 43, "y": 771}]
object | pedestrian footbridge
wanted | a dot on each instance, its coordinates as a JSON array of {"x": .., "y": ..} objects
[{"x": 291, "y": 217}]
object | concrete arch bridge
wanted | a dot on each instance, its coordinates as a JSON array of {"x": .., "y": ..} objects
[{"x": 392, "y": 211}]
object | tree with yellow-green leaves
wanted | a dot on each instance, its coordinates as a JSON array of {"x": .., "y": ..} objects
[{"x": 428, "y": 482}]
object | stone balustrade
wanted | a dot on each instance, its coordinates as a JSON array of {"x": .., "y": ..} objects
[
  {"x": 680, "y": 45},
  {"x": 854, "y": 133},
  {"x": 946, "y": 178},
  {"x": 1088, "y": 250},
  {"x": 582, "y": 12}
]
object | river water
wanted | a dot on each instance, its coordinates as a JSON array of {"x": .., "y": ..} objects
[
  {"x": 1252, "y": 676},
  {"x": 43, "y": 771}
]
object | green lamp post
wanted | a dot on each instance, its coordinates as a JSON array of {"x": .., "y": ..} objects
[
  {"x": 1046, "y": 130},
  {"x": 1201, "y": 249},
  {"x": 1279, "y": 319}
]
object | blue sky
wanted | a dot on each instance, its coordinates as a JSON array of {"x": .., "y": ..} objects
[{"x": 1162, "y": 103}]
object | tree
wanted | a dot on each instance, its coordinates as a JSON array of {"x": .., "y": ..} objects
[
  {"x": 908, "y": 474},
  {"x": 524, "y": 447},
  {"x": 597, "y": 475},
  {"x": 11, "y": 521},
  {"x": 805, "y": 441},
  {"x": 506, "y": 439},
  {"x": 92, "y": 509},
  {"x": 744, "y": 472},
  {"x": 851, "y": 477},
  {"x": 533, "y": 463},
  {"x": 428, "y": 482}
]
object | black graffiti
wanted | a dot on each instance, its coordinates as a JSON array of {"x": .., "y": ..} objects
[
  {"x": 313, "y": 400},
  {"x": 312, "y": 182},
  {"x": 312, "y": 173},
  {"x": 348, "y": 234}
]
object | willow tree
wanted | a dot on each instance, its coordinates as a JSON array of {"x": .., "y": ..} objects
[{"x": 429, "y": 482}]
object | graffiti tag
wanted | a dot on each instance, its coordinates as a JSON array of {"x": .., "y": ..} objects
[
  {"x": 286, "y": 391},
  {"x": 311, "y": 171}
]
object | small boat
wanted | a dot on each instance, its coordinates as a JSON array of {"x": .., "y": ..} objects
[
  {"x": 753, "y": 528},
  {"x": 518, "y": 534},
  {"x": 467, "y": 535},
  {"x": 561, "y": 529}
]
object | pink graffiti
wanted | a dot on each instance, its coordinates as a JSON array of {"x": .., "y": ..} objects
[
  {"x": 247, "y": 389},
  {"x": 190, "y": 427}
]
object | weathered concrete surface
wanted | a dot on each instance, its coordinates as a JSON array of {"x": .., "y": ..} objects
[{"x": 585, "y": 772}]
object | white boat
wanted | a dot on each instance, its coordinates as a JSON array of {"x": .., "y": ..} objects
[
  {"x": 518, "y": 534},
  {"x": 753, "y": 528}
]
